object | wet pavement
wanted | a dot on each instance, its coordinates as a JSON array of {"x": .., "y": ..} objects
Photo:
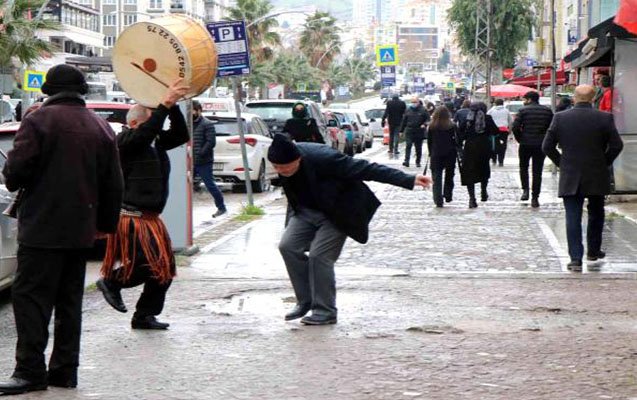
[{"x": 444, "y": 303}]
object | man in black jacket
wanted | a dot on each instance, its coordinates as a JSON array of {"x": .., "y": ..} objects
[
  {"x": 328, "y": 201},
  {"x": 141, "y": 243},
  {"x": 413, "y": 126},
  {"x": 394, "y": 116},
  {"x": 590, "y": 143},
  {"x": 529, "y": 128},
  {"x": 204, "y": 141},
  {"x": 65, "y": 162}
]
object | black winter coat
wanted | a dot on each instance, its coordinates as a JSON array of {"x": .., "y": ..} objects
[
  {"x": 590, "y": 143},
  {"x": 65, "y": 157},
  {"x": 476, "y": 152},
  {"x": 531, "y": 123},
  {"x": 336, "y": 183},
  {"x": 413, "y": 121},
  {"x": 441, "y": 144},
  {"x": 303, "y": 130},
  {"x": 146, "y": 167},
  {"x": 204, "y": 140},
  {"x": 394, "y": 113}
]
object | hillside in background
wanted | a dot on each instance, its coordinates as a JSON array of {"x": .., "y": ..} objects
[{"x": 341, "y": 9}]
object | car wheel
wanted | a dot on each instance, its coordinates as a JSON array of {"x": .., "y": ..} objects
[
  {"x": 369, "y": 144},
  {"x": 359, "y": 148},
  {"x": 261, "y": 184},
  {"x": 349, "y": 150}
]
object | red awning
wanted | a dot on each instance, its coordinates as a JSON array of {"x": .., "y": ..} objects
[{"x": 545, "y": 79}]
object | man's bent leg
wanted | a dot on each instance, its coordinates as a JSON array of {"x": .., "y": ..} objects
[
  {"x": 595, "y": 224},
  {"x": 295, "y": 242},
  {"x": 205, "y": 172},
  {"x": 573, "y": 208},
  {"x": 324, "y": 251},
  {"x": 65, "y": 357}
]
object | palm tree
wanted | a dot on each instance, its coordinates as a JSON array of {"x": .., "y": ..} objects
[
  {"x": 291, "y": 69},
  {"x": 260, "y": 35},
  {"x": 358, "y": 71},
  {"x": 320, "y": 39},
  {"x": 18, "y": 27}
]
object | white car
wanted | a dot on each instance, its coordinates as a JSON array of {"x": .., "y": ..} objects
[
  {"x": 363, "y": 122},
  {"x": 514, "y": 106},
  {"x": 8, "y": 226},
  {"x": 375, "y": 117},
  {"x": 228, "y": 162}
]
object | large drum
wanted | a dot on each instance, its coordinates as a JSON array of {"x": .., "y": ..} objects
[{"x": 148, "y": 56}]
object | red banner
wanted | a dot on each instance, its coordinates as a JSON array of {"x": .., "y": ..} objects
[
  {"x": 507, "y": 73},
  {"x": 627, "y": 15}
]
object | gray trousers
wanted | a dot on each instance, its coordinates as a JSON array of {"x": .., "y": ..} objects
[{"x": 310, "y": 246}]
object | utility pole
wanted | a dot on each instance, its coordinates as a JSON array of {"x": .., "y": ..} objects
[
  {"x": 553, "y": 59},
  {"x": 482, "y": 48}
]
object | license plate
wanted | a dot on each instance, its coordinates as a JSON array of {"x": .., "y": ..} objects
[{"x": 217, "y": 166}]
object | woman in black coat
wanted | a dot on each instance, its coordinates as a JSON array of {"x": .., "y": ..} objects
[
  {"x": 475, "y": 144},
  {"x": 441, "y": 142},
  {"x": 302, "y": 128}
]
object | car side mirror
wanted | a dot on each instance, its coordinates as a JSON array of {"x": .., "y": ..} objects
[
  {"x": 332, "y": 123},
  {"x": 372, "y": 120}
]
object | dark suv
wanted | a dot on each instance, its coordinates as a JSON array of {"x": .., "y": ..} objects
[{"x": 276, "y": 112}]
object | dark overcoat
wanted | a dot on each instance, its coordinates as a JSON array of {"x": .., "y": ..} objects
[
  {"x": 476, "y": 152},
  {"x": 336, "y": 182},
  {"x": 589, "y": 144},
  {"x": 66, "y": 159}
]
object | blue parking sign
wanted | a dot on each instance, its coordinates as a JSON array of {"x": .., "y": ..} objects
[{"x": 232, "y": 46}]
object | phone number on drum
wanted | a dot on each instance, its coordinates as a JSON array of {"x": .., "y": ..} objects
[{"x": 181, "y": 60}]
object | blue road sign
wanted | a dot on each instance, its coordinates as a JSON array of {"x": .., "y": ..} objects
[
  {"x": 388, "y": 76},
  {"x": 33, "y": 80},
  {"x": 232, "y": 47}
]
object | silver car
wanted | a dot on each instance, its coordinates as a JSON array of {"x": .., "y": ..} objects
[{"x": 8, "y": 235}]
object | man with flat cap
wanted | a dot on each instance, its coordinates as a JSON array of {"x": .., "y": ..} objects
[
  {"x": 328, "y": 202},
  {"x": 66, "y": 162}
]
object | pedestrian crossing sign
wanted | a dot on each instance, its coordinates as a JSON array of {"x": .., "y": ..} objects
[
  {"x": 33, "y": 80},
  {"x": 387, "y": 55}
]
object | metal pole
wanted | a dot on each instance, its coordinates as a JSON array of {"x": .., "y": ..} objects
[
  {"x": 242, "y": 141},
  {"x": 474, "y": 75},
  {"x": 553, "y": 59},
  {"x": 488, "y": 86}
]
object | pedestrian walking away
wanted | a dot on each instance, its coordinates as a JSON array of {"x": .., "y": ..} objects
[
  {"x": 441, "y": 143},
  {"x": 204, "y": 141},
  {"x": 589, "y": 144},
  {"x": 328, "y": 202},
  {"x": 461, "y": 115},
  {"x": 413, "y": 128},
  {"x": 65, "y": 162},
  {"x": 475, "y": 151},
  {"x": 529, "y": 129},
  {"x": 393, "y": 116},
  {"x": 302, "y": 128},
  {"x": 502, "y": 118},
  {"x": 140, "y": 251}
]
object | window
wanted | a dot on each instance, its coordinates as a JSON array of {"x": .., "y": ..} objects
[
  {"x": 86, "y": 2},
  {"x": 110, "y": 20},
  {"x": 130, "y": 19},
  {"x": 130, "y": 2},
  {"x": 155, "y": 4},
  {"x": 109, "y": 41},
  {"x": 108, "y": 1}
]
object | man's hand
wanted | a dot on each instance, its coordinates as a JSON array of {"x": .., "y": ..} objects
[
  {"x": 175, "y": 92},
  {"x": 422, "y": 180}
]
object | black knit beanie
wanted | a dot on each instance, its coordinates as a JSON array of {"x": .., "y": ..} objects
[
  {"x": 282, "y": 150},
  {"x": 64, "y": 78}
]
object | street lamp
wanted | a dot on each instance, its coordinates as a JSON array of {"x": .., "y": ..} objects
[{"x": 332, "y": 48}]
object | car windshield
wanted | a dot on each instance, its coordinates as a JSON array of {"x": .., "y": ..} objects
[
  {"x": 227, "y": 128},
  {"x": 112, "y": 114},
  {"x": 271, "y": 111},
  {"x": 376, "y": 114}
]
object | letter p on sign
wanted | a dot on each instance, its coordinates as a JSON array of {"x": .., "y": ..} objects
[{"x": 226, "y": 34}]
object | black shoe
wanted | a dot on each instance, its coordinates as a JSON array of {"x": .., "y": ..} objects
[
  {"x": 406, "y": 164},
  {"x": 473, "y": 203},
  {"x": 319, "y": 320},
  {"x": 219, "y": 213},
  {"x": 148, "y": 322},
  {"x": 18, "y": 386},
  {"x": 595, "y": 256},
  {"x": 501, "y": 164},
  {"x": 112, "y": 296},
  {"x": 535, "y": 203},
  {"x": 397, "y": 152},
  {"x": 484, "y": 197},
  {"x": 575, "y": 265},
  {"x": 417, "y": 165},
  {"x": 439, "y": 204},
  {"x": 63, "y": 380},
  {"x": 525, "y": 195},
  {"x": 449, "y": 199},
  {"x": 298, "y": 312}
]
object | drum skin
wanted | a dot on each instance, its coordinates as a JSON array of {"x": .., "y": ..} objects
[{"x": 150, "y": 55}]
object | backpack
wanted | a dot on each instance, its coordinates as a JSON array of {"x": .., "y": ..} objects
[{"x": 476, "y": 124}]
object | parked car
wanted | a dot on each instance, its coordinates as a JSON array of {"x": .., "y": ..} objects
[
  {"x": 514, "y": 106},
  {"x": 276, "y": 112},
  {"x": 113, "y": 112},
  {"x": 375, "y": 117},
  {"x": 359, "y": 130},
  {"x": 9, "y": 231},
  {"x": 350, "y": 125},
  {"x": 367, "y": 128},
  {"x": 228, "y": 163},
  {"x": 346, "y": 127},
  {"x": 214, "y": 105},
  {"x": 336, "y": 132},
  {"x": 339, "y": 105}
]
